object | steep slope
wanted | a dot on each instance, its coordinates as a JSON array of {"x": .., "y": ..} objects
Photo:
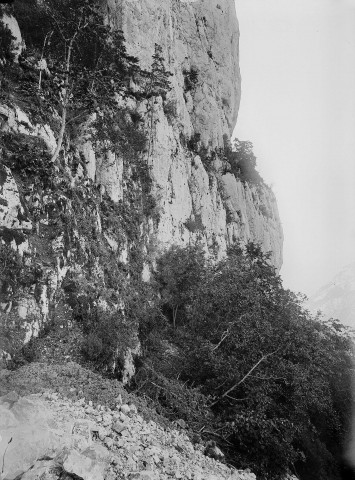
[
  {"x": 336, "y": 299},
  {"x": 56, "y": 437},
  {"x": 80, "y": 231}
]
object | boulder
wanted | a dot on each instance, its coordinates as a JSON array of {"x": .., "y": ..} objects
[
  {"x": 90, "y": 464},
  {"x": 30, "y": 430},
  {"x": 213, "y": 451},
  {"x": 43, "y": 470}
]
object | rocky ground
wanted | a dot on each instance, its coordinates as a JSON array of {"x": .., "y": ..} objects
[{"x": 50, "y": 436}]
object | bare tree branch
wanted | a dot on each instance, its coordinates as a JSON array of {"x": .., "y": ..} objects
[
  {"x": 238, "y": 399},
  {"x": 262, "y": 359},
  {"x": 226, "y": 333},
  {"x": 224, "y": 336}
]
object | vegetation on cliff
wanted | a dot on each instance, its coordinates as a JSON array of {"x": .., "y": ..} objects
[
  {"x": 75, "y": 73},
  {"x": 238, "y": 158},
  {"x": 225, "y": 347}
]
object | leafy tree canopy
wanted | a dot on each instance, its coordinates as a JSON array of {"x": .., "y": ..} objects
[{"x": 241, "y": 157}]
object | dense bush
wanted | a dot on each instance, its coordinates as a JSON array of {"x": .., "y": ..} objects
[
  {"x": 27, "y": 156},
  {"x": 194, "y": 224},
  {"x": 109, "y": 336},
  {"x": 195, "y": 145},
  {"x": 178, "y": 271},
  {"x": 109, "y": 310},
  {"x": 122, "y": 133},
  {"x": 14, "y": 273},
  {"x": 190, "y": 79},
  {"x": 240, "y": 157},
  {"x": 275, "y": 379},
  {"x": 242, "y": 160}
]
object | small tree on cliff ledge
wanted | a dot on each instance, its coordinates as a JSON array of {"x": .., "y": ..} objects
[
  {"x": 242, "y": 159},
  {"x": 158, "y": 84},
  {"x": 158, "y": 77},
  {"x": 87, "y": 58}
]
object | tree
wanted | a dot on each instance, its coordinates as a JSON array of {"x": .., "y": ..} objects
[
  {"x": 178, "y": 271},
  {"x": 241, "y": 157},
  {"x": 158, "y": 84},
  {"x": 70, "y": 30},
  {"x": 87, "y": 59}
]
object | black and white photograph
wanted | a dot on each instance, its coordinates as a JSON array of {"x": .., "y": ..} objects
[{"x": 177, "y": 231}]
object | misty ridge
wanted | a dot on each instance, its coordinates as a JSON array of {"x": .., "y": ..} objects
[{"x": 145, "y": 331}]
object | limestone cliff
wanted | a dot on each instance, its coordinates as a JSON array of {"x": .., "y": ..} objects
[
  {"x": 201, "y": 37},
  {"x": 80, "y": 219}
]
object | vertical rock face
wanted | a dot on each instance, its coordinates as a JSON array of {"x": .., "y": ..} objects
[
  {"x": 200, "y": 36},
  {"x": 91, "y": 208},
  {"x": 200, "y": 46}
]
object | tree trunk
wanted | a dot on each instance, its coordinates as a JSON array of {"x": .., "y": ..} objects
[{"x": 65, "y": 101}]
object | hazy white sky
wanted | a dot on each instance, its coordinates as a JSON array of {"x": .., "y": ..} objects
[{"x": 298, "y": 108}]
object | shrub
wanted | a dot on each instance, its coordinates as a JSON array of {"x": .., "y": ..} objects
[
  {"x": 194, "y": 224},
  {"x": 14, "y": 274},
  {"x": 170, "y": 110},
  {"x": 109, "y": 336},
  {"x": 29, "y": 351},
  {"x": 243, "y": 161},
  {"x": 194, "y": 143},
  {"x": 178, "y": 271},
  {"x": 122, "y": 133},
  {"x": 109, "y": 331},
  {"x": 190, "y": 79},
  {"x": 28, "y": 156},
  {"x": 92, "y": 347}
]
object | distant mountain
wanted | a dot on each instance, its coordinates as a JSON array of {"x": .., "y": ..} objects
[{"x": 337, "y": 298}]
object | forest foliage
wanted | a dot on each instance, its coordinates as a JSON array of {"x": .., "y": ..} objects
[
  {"x": 242, "y": 160},
  {"x": 238, "y": 157},
  {"x": 241, "y": 361}
]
